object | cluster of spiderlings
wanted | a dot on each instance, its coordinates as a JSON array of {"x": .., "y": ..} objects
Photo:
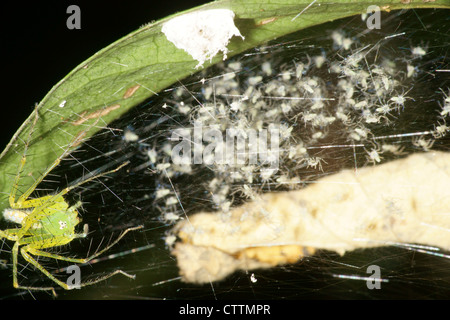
[
  {"x": 338, "y": 99},
  {"x": 441, "y": 129}
]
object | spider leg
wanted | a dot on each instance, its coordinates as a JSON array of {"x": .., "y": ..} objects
[
  {"x": 23, "y": 198},
  {"x": 10, "y": 234},
  {"x": 43, "y": 201},
  {"x": 33, "y": 250},
  {"x": 101, "y": 279},
  {"x": 40, "y": 253},
  {"x": 31, "y": 203},
  {"x": 95, "y": 255},
  {"x": 64, "y": 191},
  {"x": 24, "y": 251},
  {"x": 30, "y": 249}
]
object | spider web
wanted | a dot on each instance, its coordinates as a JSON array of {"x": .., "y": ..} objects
[{"x": 129, "y": 197}]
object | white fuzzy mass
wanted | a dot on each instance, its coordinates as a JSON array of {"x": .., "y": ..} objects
[{"x": 202, "y": 34}]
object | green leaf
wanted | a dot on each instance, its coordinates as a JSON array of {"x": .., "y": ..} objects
[{"x": 139, "y": 65}]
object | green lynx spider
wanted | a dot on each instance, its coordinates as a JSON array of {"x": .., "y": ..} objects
[{"x": 48, "y": 222}]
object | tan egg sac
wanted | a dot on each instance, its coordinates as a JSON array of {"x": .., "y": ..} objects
[{"x": 403, "y": 201}]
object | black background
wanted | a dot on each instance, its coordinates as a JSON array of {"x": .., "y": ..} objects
[{"x": 39, "y": 50}]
